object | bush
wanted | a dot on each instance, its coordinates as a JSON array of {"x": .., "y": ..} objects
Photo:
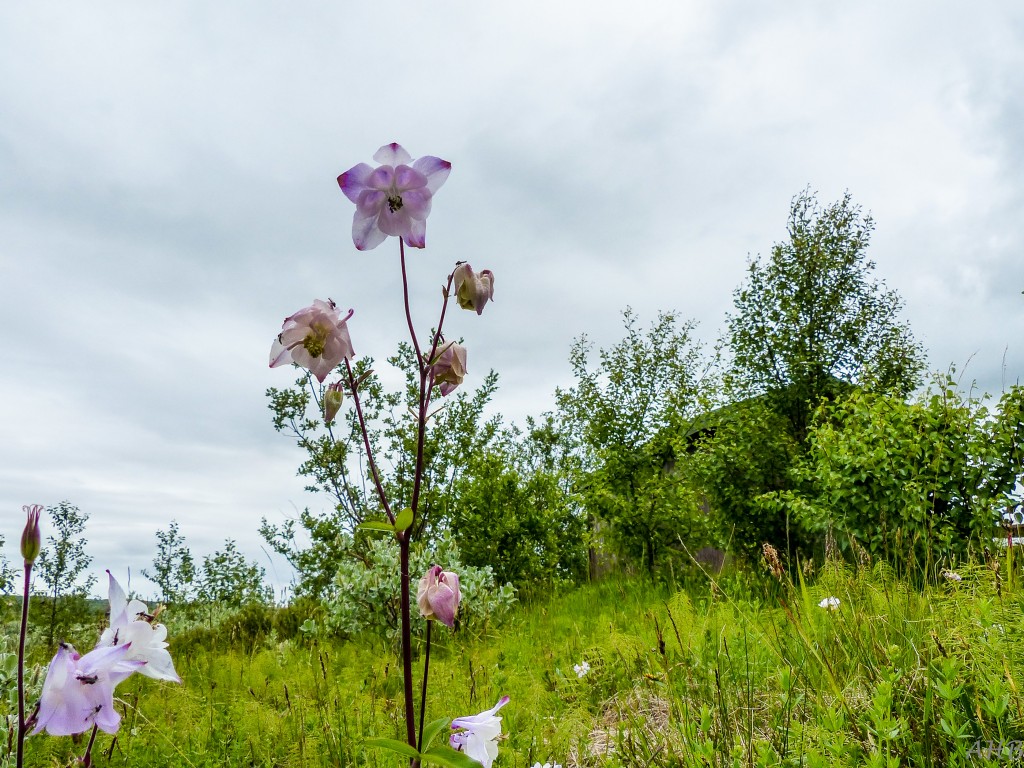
[{"x": 366, "y": 594}]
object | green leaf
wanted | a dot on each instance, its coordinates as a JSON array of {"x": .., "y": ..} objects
[
  {"x": 431, "y": 731},
  {"x": 376, "y": 525},
  {"x": 449, "y": 758},
  {"x": 395, "y": 746},
  {"x": 404, "y": 520}
]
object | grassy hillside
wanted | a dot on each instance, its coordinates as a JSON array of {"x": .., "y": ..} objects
[{"x": 736, "y": 672}]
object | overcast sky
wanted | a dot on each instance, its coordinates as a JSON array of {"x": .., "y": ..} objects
[{"x": 168, "y": 195}]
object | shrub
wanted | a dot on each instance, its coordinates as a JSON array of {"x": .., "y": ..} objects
[{"x": 366, "y": 595}]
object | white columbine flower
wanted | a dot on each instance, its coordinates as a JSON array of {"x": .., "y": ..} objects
[
  {"x": 581, "y": 669},
  {"x": 131, "y": 623},
  {"x": 829, "y": 604},
  {"x": 477, "y": 735}
]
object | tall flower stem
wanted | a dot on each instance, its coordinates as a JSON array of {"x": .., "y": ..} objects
[
  {"x": 405, "y": 537},
  {"x": 366, "y": 444},
  {"x": 87, "y": 757},
  {"x": 423, "y": 690},
  {"x": 410, "y": 714},
  {"x": 19, "y": 760}
]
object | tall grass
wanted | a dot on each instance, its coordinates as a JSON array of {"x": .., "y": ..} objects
[{"x": 739, "y": 671}]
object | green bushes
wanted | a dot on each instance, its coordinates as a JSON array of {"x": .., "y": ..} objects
[
  {"x": 919, "y": 484},
  {"x": 366, "y": 594}
]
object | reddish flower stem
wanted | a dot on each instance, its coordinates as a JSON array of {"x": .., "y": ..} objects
[
  {"x": 366, "y": 444},
  {"x": 19, "y": 760},
  {"x": 423, "y": 690}
]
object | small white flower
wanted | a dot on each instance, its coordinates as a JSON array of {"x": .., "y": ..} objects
[
  {"x": 829, "y": 604},
  {"x": 581, "y": 669},
  {"x": 546, "y": 765},
  {"x": 952, "y": 576}
]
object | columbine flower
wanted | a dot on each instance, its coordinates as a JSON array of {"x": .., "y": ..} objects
[
  {"x": 78, "y": 692},
  {"x": 477, "y": 735},
  {"x": 332, "y": 400},
  {"x": 473, "y": 290},
  {"x": 315, "y": 338},
  {"x": 30, "y": 537},
  {"x": 581, "y": 670},
  {"x": 393, "y": 198},
  {"x": 952, "y": 576},
  {"x": 829, "y": 604},
  {"x": 546, "y": 765},
  {"x": 449, "y": 368},
  {"x": 132, "y": 625},
  {"x": 438, "y": 595}
]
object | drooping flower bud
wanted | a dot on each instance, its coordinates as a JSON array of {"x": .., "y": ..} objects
[
  {"x": 31, "y": 540},
  {"x": 449, "y": 367},
  {"x": 438, "y": 596},
  {"x": 473, "y": 290},
  {"x": 332, "y": 400}
]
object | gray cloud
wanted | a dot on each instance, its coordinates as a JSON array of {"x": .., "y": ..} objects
[{"x": 168, "y": 195}]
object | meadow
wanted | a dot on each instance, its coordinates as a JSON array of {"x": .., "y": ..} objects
[{"x": 742, "y": 669}]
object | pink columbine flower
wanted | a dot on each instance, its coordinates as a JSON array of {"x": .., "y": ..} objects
[
  {"x": 449, "y": 367},
  {"x": 438, "y": 595},
  {"x": 473, "y": 290},
  {"x": 315, "y": 338},
  {"x": 477, "y": 735},
  {"x": 394, "y": 198},
  {"x": 131, "y": 624},
  {"x": 78, "y": 692}
]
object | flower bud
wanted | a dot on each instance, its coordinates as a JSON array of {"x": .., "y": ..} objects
[
  {"x": 30, "y": 538},
  {"x": 332, "y": 400},
  {"x": 438, "y": 596},
  {"x": 473, "y": 290},
  {"x": 449, "y": 367}
]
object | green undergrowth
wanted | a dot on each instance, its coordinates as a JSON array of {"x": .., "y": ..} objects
[{"x": 739, "y": 672}]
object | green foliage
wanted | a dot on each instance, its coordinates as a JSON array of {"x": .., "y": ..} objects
[
  {"x": 811, "y": 318},
  {"x": 367, "y": 591},
  {"x": 228, "y": 580},
  {"x": 899, "y": 673},
  {"x": 915, "y": 483},
  {"x": 7, "y": 573},
  {"x": 811, "y": 325},
  {"x": 61, "y": 563},
  {"x": 747, "y": 454},
  {"x": 515, "y": 515},
  {"x": 620, "y": 417},
  {"x": 173, "y": 568},
  {"x": 336, "y": 463}
]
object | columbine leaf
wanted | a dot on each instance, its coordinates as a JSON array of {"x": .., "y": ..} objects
[
  {"x": 376, "y": 525},
  {"x": 404, "y": 520},
  {"x": 431, "y": 731},
  {"x": 395, "y": 746},
  {"x": 449, "y": 758}
]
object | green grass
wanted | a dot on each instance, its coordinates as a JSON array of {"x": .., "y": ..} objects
[{"x": 741, "y": 672}]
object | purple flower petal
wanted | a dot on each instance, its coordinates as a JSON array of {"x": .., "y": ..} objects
[
  {"x": 435, "y": 169},
  {"x": 382, "y": 178},
  {"x": 416, "y": 203},
  {"x": 392, "y": 154},
  {"x": 408, "y": 178},
  {"x": 366, "y": 234},
  {"x": 353, "y": 181},
  {"x": 417, "y": 234}
]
